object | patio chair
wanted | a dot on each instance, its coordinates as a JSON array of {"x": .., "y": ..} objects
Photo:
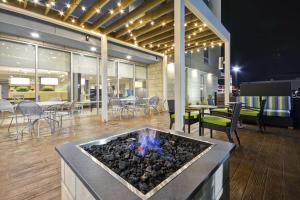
[
  {"x": 189, "y": 117},
  {"x": 153, "y": 104},
  {"x": 141, "y": 104},
  {"x": 65, "y": 110},
  {"x": 254, "y": 114},
  {"x": 34, "y": 114},
  {"x": 7, "y": 107},
  {"x": 224, "y": 124},
  {"x": 117, "y": 107}
]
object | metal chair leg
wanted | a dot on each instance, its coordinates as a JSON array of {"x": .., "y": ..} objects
[{"x": 237, "y": 137}]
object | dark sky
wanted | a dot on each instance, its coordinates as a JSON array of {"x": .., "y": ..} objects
[{"x": 264, "y": 37}]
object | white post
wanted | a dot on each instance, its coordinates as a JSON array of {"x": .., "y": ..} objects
[
  {"x": 179, "y": 10},
  {"x": 165, "y": 83},
  {"x": 104, "y": 95},
  {"x": 227, "y": 73}
]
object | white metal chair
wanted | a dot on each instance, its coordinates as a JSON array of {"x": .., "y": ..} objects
[{"x": 7, "y": 107}]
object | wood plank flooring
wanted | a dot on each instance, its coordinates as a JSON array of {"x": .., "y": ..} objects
[{"x": 266, "y": 166}]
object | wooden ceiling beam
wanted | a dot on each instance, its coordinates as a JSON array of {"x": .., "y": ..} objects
[
  {"x": 199, "y": 41},
  {"x": 103, "y": 19},
  {"x": 168, "y": 27},
  {"x": 73, "y": 5},
  {"x": 48, "y": 6},
  {"x": 156, "y": 26},
  {"x": 162, "y": 10},
  {"x": 147, "y": 5},
  {"x": 91, "y": 11},
  {"x": 25, "y": 2},
  {"x": 194, "y": 40},
  {"x": 189, "y": 30}
]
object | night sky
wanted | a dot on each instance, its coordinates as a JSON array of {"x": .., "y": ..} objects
[{"x": 264, "y": 38}]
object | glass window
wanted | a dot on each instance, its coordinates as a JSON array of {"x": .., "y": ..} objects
[
  {"x": 206, "y": 56},
  {"x": 112, "y": 79},
  {"x": 84, "y": 78},
  {"x": 17, "y": 71},
  {"x": 53, "y": 74},
  {"x": 140, "y": 84},
  {"x": 125, "y": 79}
]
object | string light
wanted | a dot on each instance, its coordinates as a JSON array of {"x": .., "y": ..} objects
[
  {"x": 196, "y": 24},
  {"x": 48, "y": 5},
  {"x": 135, "y": 42},
  {"x": 131, "y": 35},
  {"x": 127, "y": 25},
  {"x": 197, "y": 43},
  {"x": 192, "y": 51},
  {"x": 98, "y": 10},
  {"x": 205, "y": 48},
  {"x": 83, "y": 8},
  {"x": 121, "y": 11},
  {"x": 198, "y": 50},
  {"x": 194, "y": 33},
  {"x": 52, "y": 3},
  {"x": 185, "y": 24},
  {"x": 158, "y": 45},
  {"x": 119, "y": 4},
  {"x": 141, "y": 21},
  {"x": 220, "y": 44},
  {"x": 189, "y": 37},
  {"x": 61, "y": 13},
  {"x": 34, "y": 1},
  {"x": 204, "y": 44},
  {"x": 68, "y": 5},
  {"x": 152, "y": 23},
  {"x": 200, "y": 29},
  {"x": 163, "y": 24},
  {"x": 166, "y": 45},
  {"x": 4, "y": 1},
  {"x": 151, "y": 45},
  {"x": 111, "y": 11},
  {"x": 204, "y": 25},
  {"x": 73, "y": 20},
  {"x": 82, "y": 26},
  {"x": 130, "y": 22},
  {"x": 189, "y": 44},
  {"x": 129, "y": 31}
]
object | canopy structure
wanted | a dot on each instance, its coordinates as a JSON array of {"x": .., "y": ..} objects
[{"x": 161, "y": 27}]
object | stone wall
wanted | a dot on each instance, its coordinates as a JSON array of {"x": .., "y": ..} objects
[{"x": 155, "y": 80}]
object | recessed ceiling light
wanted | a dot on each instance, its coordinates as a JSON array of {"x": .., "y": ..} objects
[
  {"x": 128, "y": 57},
  {"x": 93, "y": 48},
  {"x": 34, "y": 35}
]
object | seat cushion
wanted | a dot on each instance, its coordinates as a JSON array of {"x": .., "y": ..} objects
[
  {"x": 251, "y": 113},
  {"x": 220, "y": 121},
  {"x": 221, "y": 110},
  {"x": 194, "y": 115},
  {"x": 277, "y": 113}
]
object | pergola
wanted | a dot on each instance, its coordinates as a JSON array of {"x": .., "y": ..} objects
[{"x": 161, "y": 27}]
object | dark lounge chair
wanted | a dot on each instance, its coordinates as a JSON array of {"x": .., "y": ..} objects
[
  {"x": 224, "y": 124},
  {"x": 189, "y": 117}
]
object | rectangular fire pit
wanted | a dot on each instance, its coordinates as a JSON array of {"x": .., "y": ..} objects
[
  {"x": 145, "y": 163},
  {"x": 147, "y": 159}
]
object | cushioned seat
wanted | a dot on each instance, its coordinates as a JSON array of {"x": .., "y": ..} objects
[
  {"x": 248, "y": 112},
  {"x": 221, "y": 110},
  {"x": 277, "y": 113},
  {"x": 220, "y": 121},
  {"x": 194, "y": 115}
]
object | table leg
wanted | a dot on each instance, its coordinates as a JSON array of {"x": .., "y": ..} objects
[{"x": 200, "y": 115}]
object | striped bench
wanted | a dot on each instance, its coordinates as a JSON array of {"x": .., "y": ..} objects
[{"x": 279, "y": 106}]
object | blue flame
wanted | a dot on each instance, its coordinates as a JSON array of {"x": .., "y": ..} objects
[{"x": 148, "y": 142}]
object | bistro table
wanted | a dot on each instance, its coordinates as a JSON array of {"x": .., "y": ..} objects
[{"x": 199, "y": 108}]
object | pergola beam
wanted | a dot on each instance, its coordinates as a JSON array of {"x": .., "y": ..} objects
[
  {"x": 48, "y": 6},
  {"x": 73, "y": 6},
  {"x": 189, "y": 30},
  {"x": 25, "y": 4},
  {"x": 148, "y": 5},
  {"x": 92, "y": 11},
  {"x": 164, "y": 9},
  {"x": 103, "y": 19}
]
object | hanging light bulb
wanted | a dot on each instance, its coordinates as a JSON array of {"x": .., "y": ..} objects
[
  {"x": 111, "y": 11},
  {"x": 121, "y": 11},
  {"x": 152, "y": 23},
  {"x": 98, "y": 10},
  {"x": 119, "y": 4},
  {"x": 61, "y": 13},
  {"x": 68, "y": 5},
  {"x": 83, "y": 8}
]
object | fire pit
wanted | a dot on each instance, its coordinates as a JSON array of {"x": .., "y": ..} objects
[{"x": 145, "y": 160}]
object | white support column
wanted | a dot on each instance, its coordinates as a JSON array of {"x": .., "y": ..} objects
[
  {"x": 179, "y": 12},
  {"x": 165, "y": 83},
  {"x": 104, "y": 95},
  {"x": 227, "y": 73}
]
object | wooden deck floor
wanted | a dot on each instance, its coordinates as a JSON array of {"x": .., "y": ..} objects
[{"x": 266, "y": 166}]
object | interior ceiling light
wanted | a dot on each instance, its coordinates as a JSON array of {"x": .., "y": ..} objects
[
  {"x": 128, "y": 57},
  {"x": 34, "y": 35},
  {"x": 93, "y": 49}
]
